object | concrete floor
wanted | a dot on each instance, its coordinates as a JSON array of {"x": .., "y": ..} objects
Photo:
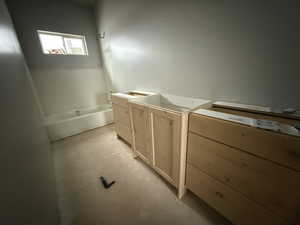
[{"x": 139, "y": 197}]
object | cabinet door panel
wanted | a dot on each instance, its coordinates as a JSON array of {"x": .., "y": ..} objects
[
  {"x": 163, "y": 143},
  {"x": 121, "y": 115},
  {"x": 140, "y": 129},
  {"x": 166, "y": 143},
  {"x": 124, "y": 132}
]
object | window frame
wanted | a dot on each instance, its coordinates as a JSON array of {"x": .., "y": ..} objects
[{"x": 63, "y": 35}]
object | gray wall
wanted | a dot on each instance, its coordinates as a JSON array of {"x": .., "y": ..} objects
[
  {"x": 63, "y": 83},
  {"x": 243, "y": 51},
  {"x": 27, "y": 184}
]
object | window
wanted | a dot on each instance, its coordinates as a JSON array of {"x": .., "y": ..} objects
[{"x": 62, "y": 44}]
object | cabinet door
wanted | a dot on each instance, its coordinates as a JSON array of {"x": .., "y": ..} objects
[
  {"x": 122, "y": 122},
  {"x": 165, "y": 127},
  {"x": 141, "y": 131},
  {"x": 121, "y": 115}
]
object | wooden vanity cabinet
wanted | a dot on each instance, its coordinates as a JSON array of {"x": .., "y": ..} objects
[{"x": 159, "y": 137}]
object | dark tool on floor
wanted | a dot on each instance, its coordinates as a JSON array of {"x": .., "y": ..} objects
[{"x": 105, "y": 184}]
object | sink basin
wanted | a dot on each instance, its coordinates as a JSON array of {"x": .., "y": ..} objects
[
  {"x": 172, "y": 102},
  {"x": 133, "y": 94}
]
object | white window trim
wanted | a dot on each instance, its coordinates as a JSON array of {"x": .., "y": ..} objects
[{"x": 64, "y": 35}]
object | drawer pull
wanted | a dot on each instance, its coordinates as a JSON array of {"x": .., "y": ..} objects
[{"x": 219, "y": 194}]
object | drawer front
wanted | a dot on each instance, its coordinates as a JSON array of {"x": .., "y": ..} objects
[
  {"x": 233, "y": 205},
  {"x": 119, "y": 101},
  {"x": 279, "y": 148},
  {"x": 123, "y": 132},
  {"x": 121, "y": 115},
  {"x": 254, "y": 177}
]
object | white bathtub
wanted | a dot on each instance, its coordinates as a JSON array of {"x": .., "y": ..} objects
[{"x": 74, "y": 122}]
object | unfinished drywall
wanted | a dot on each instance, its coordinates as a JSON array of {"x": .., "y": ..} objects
[
  {"x": 63, "y": 83},
  {"x": 245, "y": 51},
  {"x": 28, "y": 193}
]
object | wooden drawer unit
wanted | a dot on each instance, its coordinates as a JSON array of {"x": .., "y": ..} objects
[
  {"x": 233, "y": 205},
  {"x": 280, "y": 148},
  {"x": 273, "y": 186},
  {"x": 250, "y": 175}
]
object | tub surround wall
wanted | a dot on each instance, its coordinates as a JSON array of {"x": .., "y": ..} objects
[
  {"x": 235, "y": 51},
  {"x": 63, "y": 83},
  {"x": 62, "y": 90}
]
